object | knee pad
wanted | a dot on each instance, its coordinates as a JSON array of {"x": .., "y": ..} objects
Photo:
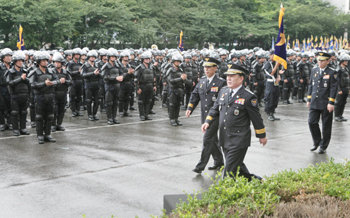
[
  {"x": 38, "y": 117},
  {"x": 14, "y": 113},
  {"x": 50, "y": 117}
]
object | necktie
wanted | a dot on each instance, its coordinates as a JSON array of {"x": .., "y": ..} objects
[{"x": 231, "y": 95}]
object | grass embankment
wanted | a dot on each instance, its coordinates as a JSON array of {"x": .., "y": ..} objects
[{"x": 317, "y": 191}]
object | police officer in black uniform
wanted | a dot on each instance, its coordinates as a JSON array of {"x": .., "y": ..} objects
[
  {"x": 145, "y": 85},
  {"x": 272, "y": 91},
  {"x": 258, "y": 77},
  {"x": 112, "y": 77},
  {"x": 43, "y": 82},
  {"x": 18, "y": 85},
  {"x": 127, "y": 85},
  {"x": 177, "y": 79},
  {"x": 343, "y": 87},
  {"x": 303, "y": 73},
  {"x": 76, "y": 90},
  {"x": 60, "y": 92},
  {"x": 235, "y": 108},
  {"x": 186, "y": 67},
  {"x": 5, "y": 103},
  {"x": 287, "y": 78},
  {"x": 206, "y": 91},
  {"x": 320, "y": 100}
]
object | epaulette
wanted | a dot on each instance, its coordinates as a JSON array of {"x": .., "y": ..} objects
[
  {"x": 222, "y": 79},
  {"x": 249, "y": 91}
]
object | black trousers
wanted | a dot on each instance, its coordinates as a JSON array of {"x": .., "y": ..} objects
[
  {"x": 287, "y": 89},
  {"x": 5, "y": 106},
  {"x": 75, "y": 95},
  {"x": 259, "y": 90},
  {"x": 126, "y": 91},
  {"x": 92, "y": 98},
  {"x": 19, "y": 106},
  {"x": 112, "y": 96},
  {"x": 44, "y": 108},
  {"x": 327, "y": 118},
  {"x": 340, "y": 102},
  {"x": 145, "y": 100},
  {"x": 234, "y": 157},
  {"x": 175, "y": 99},
  {"x": 302, "y": 89},
  {"x": 60, "y": 103},
  {"x": 211, "y": 147},
  {"x": 272, "y": 93}
]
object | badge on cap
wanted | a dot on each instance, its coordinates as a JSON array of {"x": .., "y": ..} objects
[{"x": 236, "y": 112}]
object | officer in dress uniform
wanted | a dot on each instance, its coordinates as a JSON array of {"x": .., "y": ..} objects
[
  {"x": 206, "y": 91},
  {"x": 320, "y": 100},
  {"x": 235, "y": 108},
  {"x": 343, "y": 88}
]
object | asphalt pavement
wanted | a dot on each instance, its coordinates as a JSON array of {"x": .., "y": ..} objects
[{"x": 96, "y": 170}]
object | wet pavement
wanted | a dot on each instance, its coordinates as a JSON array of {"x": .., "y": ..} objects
[{"x": 125, "y": 170}]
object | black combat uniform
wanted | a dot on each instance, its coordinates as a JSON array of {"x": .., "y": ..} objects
[
  {"x": 92, "y": 89},
  {"x": 187, "y": 68},
  {"x": 176, "y": 93},
  {"x": 146, "y": 81},
  {"x": 344, "y": 87},
  {"x": 19, "y": 92},
  {"x": 303, "y": 73},
  {"x": 287, "y": 78},
  {"x": 322, "y": 91},
  {"x": 207, "y": 94},
  {"x": 76, "y": 90},
  {"x": 5, "y": 103},
  {"x": 60, "y": 98},
  {"x": 112, "y": 88},
  {"x": 44, "y": 102},
  {"x": 258, "y": 80}
]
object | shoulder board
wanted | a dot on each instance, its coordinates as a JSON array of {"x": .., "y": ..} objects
[
  {"x": 249, "y": 91},
  {"x": 203, "y": 77},
  {"x": 222, "y": 79}
]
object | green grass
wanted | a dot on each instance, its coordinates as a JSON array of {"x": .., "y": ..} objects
[{"x": 237, "y": 197}]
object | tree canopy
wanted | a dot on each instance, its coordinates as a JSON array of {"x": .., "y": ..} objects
[{"x": 140, "y": 23}]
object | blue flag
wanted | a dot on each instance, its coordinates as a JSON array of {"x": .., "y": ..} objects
[
  {"x": 280, "y": 55},
  {"x": 20, "y": 42}
]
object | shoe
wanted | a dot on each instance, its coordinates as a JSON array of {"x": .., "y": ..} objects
[
  {"x": 132, "y": 109},
  {"x": 338, "y": 119},
  {"x": 142, "y": 118},
  {"x": 314, "y": 148},
  {"x": 24, "y": 132},
  {"x": 33, "y": 125},
  {"x": 80, "y": 113},
  {"x": 178, "y": 122},
  {"x": 275, "y": 118},
  {"x": 53, "y": 128},
  {"x": 116, "y": 121},
  {"x": 91, "y": 118},
  {"x": 196, "y": 170},
  {"x": 41, "y": 139},
  {"x": 173, "y": 123},
  {"x": 289, "y": 102},
  {"x": 343, "y": 119},
  {"x": 271, "y": 118},
  {"x": 303, "y": 101},
  {"x": 2, "y": 127},
  {"x": 321, "y": 151},
  {"x": 110, "y": 122},
  {"x": 256, "y": 177},
  {"x": 16, "y": 133},
  {"x": 60, "y": 128},
  {"x": 216, "y": 167},
  {"x": 152, "y": 112},
  {"x": 148, "y": 118},
  {"x": 75, "y": 114},
  {"x": 10, "y": 126},
  {"x": 49, "y": 138},
  {"x": 95, "y": 118}
]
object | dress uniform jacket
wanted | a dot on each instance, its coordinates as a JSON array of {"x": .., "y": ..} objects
[
  {"x": 322, "y": 88},
  {"x": 235, "y": 114},
  {"x": 205, "y": 93}
]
